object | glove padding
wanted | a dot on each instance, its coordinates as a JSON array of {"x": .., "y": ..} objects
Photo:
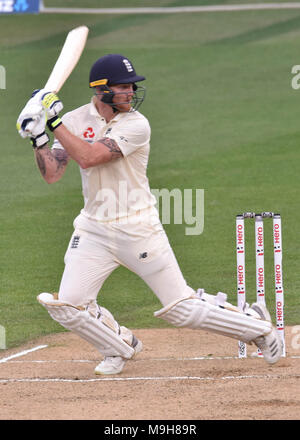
[
  {"x": 52, "y": 104},
  {"x": 31, "y": 119},
  {"x": 40, "y": 107}
]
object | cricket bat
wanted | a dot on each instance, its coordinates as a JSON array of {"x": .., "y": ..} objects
[{"x": 68, "y": 58}]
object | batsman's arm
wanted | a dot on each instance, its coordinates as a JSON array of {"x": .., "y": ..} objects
[
  {"x": 85, "y": 154},
  {"x": 51, "y": 163}
]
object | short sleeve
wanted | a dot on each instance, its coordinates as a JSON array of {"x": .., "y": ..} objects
[{"x": 133, "y": 135}]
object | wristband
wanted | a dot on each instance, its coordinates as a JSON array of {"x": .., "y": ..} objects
[
  {"x": 40, "y": 140},
  {"x": 53, "y": 123}
]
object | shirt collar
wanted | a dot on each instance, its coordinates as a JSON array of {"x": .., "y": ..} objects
[
  {"x": 94, "y": 112},
  {"x": 93, "y": 108}
]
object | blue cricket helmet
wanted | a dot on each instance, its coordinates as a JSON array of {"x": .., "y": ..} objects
[{"x": 113, "y": 69}]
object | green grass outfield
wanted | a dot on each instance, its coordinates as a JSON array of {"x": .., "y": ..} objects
[{"x": 224, "y": 119}]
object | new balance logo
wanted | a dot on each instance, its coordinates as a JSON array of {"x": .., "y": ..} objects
[{"x": 75, "y": 242}]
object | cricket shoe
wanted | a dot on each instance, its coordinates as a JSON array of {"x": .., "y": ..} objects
[
  {"x": 270, "y": 345},
  {"x": 115, "y": 364}
]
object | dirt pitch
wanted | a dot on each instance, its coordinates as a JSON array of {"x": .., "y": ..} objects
[{"x": 180, "y": 375}]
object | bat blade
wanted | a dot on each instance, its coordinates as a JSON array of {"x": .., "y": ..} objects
[{"x": 68, "y": 58}]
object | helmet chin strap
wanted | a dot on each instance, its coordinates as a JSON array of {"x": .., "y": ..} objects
[{"x": 114, "y": 109}]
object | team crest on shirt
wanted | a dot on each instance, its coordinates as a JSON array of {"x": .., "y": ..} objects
[
  {"x": 89, "y": 133},
  {"x": 75, "y": 242}
]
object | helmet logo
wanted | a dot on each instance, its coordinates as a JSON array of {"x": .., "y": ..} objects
[{"x": 128, "y": 65}]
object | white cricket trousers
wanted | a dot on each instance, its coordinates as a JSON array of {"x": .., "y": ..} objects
[{"x": 138, "y": 242}]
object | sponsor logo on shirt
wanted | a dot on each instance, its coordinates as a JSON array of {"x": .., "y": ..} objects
[{"x": 89, "y": 133}]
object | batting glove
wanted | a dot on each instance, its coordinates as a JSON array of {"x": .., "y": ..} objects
[
  {"x": 39, "y": 137},
  {"x": 52, "y": 104},
  {"x": 30, "y": 117},
  {"x": 37, "y": 133},
  {"x": 40, "y": 140},
  {"x": 41, "y": 102}
]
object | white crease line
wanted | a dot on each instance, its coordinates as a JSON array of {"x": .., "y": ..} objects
[
  {"x": 137, "y": 360},
  {"x": 159, "y": 378},
  {"x": 22, "y": 353}
]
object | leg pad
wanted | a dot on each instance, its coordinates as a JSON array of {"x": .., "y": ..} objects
[
  {"x": 196, "y": 313},
  {"x": 100, "y": 329}
]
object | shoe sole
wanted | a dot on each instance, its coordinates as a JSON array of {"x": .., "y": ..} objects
[
  {"x": 108, "y": 373},
  {"x": 137, "y": 349}
]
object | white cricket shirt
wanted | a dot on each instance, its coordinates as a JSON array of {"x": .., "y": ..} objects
[{"x": 119, "y": 188}]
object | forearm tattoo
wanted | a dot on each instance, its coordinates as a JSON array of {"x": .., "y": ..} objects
[
  {"x": 61, "y": 157},
  {"x": 45, "y": 156},
  {"x": 41, "y": 162},
  {"x": 112, "y": 146}
]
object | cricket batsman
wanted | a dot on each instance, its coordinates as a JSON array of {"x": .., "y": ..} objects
[{"x": 119, "y": 223}]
